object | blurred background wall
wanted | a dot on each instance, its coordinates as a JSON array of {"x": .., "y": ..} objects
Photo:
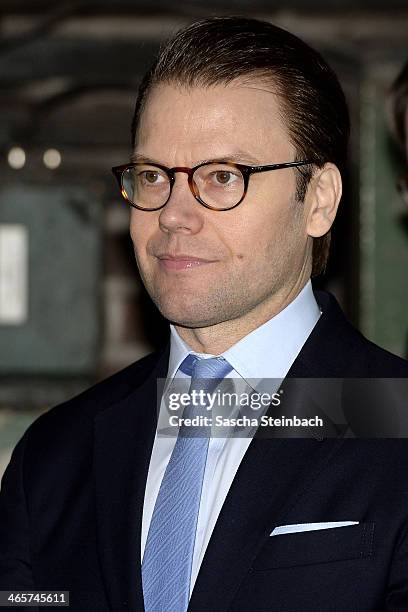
[{"x": 72, "y": 308}]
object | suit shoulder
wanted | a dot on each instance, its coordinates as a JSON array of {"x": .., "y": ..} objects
[
  {"x": 382, "y": 363},
  {"x": 342, "y": 350}
]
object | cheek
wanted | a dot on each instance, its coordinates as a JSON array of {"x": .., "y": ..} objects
[
  {"x": 140, "y": 230},
  {"x": 256, "y": 233},
  {"x": 268, "y": 237}
]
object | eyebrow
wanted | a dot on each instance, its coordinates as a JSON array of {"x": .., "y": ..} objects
[{"x": 238, "y": 156}]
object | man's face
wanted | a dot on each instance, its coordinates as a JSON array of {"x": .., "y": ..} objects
[{"x": 231, "y": 263}]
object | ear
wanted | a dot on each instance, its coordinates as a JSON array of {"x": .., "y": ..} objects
[{"x": 322, "y": 199}]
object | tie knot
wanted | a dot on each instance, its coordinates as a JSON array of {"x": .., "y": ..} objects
[{"x": 214, "y": 367}]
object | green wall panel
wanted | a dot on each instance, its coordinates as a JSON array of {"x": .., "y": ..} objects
[
  {"x": 383, "y": 231},
  {"x": 60, "y": 333}
]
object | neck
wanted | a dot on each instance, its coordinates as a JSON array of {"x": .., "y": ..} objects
[{"x": 216, "y": 339}]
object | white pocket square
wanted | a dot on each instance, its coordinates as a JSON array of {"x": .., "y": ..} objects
[{"x": 299, "y": 527}]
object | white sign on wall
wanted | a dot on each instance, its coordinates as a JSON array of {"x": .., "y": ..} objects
[{"x": 13, "y": 274}]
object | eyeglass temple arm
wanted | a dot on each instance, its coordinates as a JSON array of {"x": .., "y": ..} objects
[{"x": 279, "y": 166}]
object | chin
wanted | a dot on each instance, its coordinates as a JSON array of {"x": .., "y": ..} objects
[
  {"x": 192, "y": 316},
  {"x": 185, "y": 319},
  {"x": 197, "y": 318}
]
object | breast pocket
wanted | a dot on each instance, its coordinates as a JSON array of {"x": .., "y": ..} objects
[{"x": 319, "y": 546}]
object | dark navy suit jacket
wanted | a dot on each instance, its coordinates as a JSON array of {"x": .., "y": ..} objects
[{"x": 72, "y": 499}]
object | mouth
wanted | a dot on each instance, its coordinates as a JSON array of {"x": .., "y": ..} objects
[{"x": 182, "y": 261}]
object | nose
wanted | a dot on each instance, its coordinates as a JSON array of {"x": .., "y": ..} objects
[{"x": 182, "y": 213}]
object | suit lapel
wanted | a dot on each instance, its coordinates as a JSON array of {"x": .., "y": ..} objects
[{"x": 124, "y": 435}]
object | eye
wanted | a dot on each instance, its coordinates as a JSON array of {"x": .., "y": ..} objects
[
  {"x": 151, "y": 176},
  {"x": 223, "y": 178}
]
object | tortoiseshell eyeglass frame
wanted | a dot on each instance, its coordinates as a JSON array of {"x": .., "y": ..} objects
[{"x": 245, "y": 170}]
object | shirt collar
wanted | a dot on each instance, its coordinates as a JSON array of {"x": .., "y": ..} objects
[
  {"x": 269, "y": 350},
  {"x": 179, "y": 351}
]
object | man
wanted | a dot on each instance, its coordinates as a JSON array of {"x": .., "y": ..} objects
[{"x": 239, "y": 133}]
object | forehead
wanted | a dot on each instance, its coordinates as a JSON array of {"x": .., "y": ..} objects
[{"x": 204, "y": 121}]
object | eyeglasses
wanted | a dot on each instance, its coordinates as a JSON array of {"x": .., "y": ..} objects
[
  {"x": 402, "y": 186},
  {"x": 215, "y": 185}
]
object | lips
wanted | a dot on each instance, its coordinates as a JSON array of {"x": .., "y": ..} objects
[{"x": 182, "y": 261}]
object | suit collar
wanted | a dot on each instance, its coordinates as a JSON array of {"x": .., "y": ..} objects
[{"x": 334, "y": 349}]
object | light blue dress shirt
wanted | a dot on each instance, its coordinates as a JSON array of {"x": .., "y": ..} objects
[{"x": 266, "y": 353}]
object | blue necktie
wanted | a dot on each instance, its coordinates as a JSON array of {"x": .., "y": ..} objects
[{"x": 168, "y": 556}]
